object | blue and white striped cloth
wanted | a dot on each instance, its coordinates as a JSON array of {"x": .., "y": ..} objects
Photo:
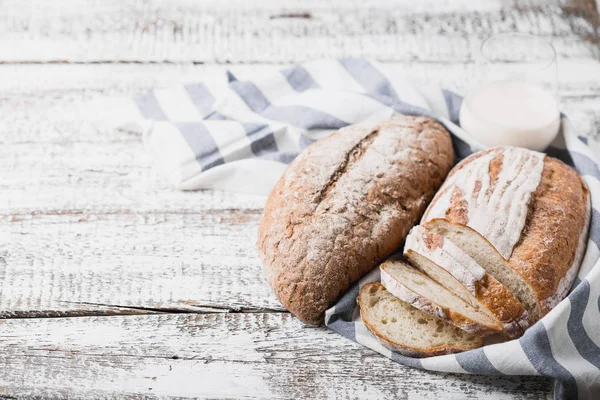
[{"x": 239, "y": 135}]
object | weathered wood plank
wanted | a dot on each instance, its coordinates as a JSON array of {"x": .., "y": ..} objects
[
  {"x": 113, "y": 177},
  {"x": 575, "y": 76},
  {"x": 102, "y": 261},
  {"x": 61, "y": 107},
  {"x": 271, "y": 31},
  {"x": 217, "y": 356}
]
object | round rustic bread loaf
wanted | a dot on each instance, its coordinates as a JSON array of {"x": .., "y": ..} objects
[
  {"x": 345, "y": 204},
  {"x": 523, "y": 216}
]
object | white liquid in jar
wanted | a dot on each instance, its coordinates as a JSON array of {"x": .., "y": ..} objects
[{"x": 511, "y": 113}]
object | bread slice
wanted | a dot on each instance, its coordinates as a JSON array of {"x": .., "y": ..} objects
[
  {"x": 425, "y": 294},
  {"x": 488, "y": 257},
  {"x": 454, "y": 269},
  {"x": 402, "y": 328}
]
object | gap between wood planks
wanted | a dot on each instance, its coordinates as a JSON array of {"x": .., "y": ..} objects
[
  {"x": 201, "y": 309},
  {"x": 183, "y": 31},
  {"x": 113, "y": 310}
]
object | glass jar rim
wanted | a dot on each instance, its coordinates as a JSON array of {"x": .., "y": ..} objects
[{"x": 547, "y": 61}]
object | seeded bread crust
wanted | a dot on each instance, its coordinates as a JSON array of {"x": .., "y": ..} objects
[
  {"x": 408, "y": 348},
  {"x": 551, "y": 245},
  {"x": 345, "y": 204}
]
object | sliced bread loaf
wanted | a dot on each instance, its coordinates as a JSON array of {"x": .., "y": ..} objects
[
  {"x": 523, "y": 216},
  {"x": 411, "y": 332},
  {"x": 425, "y": 294},
  {"x": 451, "y": 267}
]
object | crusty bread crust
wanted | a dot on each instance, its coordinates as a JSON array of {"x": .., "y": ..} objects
[
  {"x": 557, "y": 218},
  {"x": 404, "y": 348},
  {"x": 345, "y": 204},
  {"x": 438, "y": 310},
  {"x": 551, "y": 243},
  {"x": 490, "y": 294}
]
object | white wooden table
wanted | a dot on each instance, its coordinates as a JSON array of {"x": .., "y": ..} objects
[{"x": 115, "y": 285}]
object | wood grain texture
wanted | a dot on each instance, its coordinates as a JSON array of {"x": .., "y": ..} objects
[
  {"x": 216, "y": 356},
  {"x": 118, "y": 260},
  {"x": 60, "y": 103},
  {"x": 271, "y": 31}
]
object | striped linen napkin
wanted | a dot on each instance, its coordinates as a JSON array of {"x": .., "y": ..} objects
[{"x": 239, "y": 135}]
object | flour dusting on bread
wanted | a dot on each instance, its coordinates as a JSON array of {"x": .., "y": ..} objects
[{"x": 493, "y": 196}]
